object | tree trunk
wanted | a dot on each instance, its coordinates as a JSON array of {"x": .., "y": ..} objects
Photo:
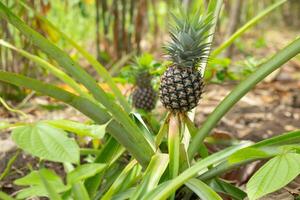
[{"x": 234, "y": 20}]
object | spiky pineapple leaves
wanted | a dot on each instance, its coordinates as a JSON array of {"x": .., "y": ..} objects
[
  {"x": 275, "y": 174},
  {"x": 46, "y": 142},
  {"x": 188, "y": 35}
]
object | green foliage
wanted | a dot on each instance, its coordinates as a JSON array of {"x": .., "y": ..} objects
[
  {"x": 188, "y": 39},
  {"x": 91, "y": 130},
  {"x": 46, "y": 142},
  {"x": 275, "y": 174},
  {"x": 83, "y": 172},
  {"x": 36, "y": 184},
  {"x": 133, "y": 160},
  {"x": 141, "y": 64},
  {"x": 202, "y": 190}
]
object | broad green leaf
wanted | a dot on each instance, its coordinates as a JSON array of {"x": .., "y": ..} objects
[
  {"x": 83, "y": 172},
  {"x": 152, "y": 175},
  {"x": 33, "y": 178},
  {"x": 221, "y": 186},
  {"x": 51, "y": 189},
  {"x": 275, "y": 174},
  {"x": 46, "y": 142},
  {"x": 32, "y": 191},
  {"x": 202, "y": 190},
  {"x": 36, "y": 186},
  {"x": 95, "y": 131}
]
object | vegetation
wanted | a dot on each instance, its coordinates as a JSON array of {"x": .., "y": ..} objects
[{"x": 136, "y": 153}]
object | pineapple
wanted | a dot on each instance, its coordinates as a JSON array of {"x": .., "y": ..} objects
[
  {"x": 182, "y": 84},
  {"x": 144, "y": 96}
]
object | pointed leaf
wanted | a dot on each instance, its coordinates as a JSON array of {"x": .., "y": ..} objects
[
  {"x": 275, "y": 174},
  {"x": 46, "y": 142},
  {"x": 85, "y": 171},
  {"x": 202, "y": 190}
]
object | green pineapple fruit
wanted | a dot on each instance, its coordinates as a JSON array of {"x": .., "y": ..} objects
[
  {"x": 182, "y": 84},
  {"x": 144, "y": 96}
]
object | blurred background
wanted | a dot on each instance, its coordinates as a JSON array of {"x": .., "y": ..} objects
[{"x": 116, "y": 30}]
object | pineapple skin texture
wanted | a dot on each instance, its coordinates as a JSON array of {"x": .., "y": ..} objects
[
  {"x": 144, "y": 98},
  {"x": 181, "y": 88}
]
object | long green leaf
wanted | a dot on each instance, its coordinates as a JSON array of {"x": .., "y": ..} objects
[
  {"x": 119, "y": 181},
  {"x": 111, "y": 151},
  {"x": 64, "y": 60},
  {"x": 97, "y": 66},
  {"x": 90, "y": 109},
  {"x": 221, "y": 186},
  {"x": 51, "y": 68},
  {"x": 270, "y": 145},
  {"x": 248, "y": 25},
  {"x": 164, "y": 190},
  {"x": 214, "y": 8},
  {"x": 79, "y": 192},
  {"x": 264, "y": 70},
  {"x": 152, "y": 175},
  {"x": 174, "y": 147},
  {"x": 202, "y": 190}
]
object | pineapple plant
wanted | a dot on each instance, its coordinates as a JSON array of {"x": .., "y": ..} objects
[
  {"x": 144, "y": 96},
  {"x": 182, "y": 84}
]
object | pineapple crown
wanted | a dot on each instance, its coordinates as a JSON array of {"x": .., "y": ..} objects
[
  {"x": 188, "y": 34},
  {"x": 142, "y": 64},
  {"x": 141, "y": 68}
]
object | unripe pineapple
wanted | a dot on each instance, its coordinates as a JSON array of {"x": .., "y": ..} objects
[
  {"x": 144, "y": 96},
  {"x": 182, "y": 84}
]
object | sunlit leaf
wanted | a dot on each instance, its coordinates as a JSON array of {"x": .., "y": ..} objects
[
  {"x": 46, "y": 142},
  {"x": 36, "y": 186},
  {"x": 275, "y": 174},
  {"x": 83, "y": 172},
  {"x": 202, "y": 190},
  {"x": 95, "y": 131}
]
